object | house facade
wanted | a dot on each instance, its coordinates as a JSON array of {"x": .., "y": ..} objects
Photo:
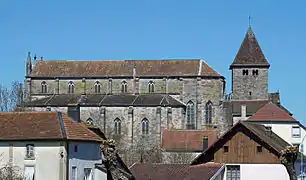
[{"x": 48, "y": 145}]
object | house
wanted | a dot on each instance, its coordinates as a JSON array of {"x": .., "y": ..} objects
[
  {"x": 48, "y": 145},
  {"x": 181, "y": 146},
  {"x": 178, "y": 171},
  {"x": 245, "y": 143},
  {"x": 281, "y": 123}
]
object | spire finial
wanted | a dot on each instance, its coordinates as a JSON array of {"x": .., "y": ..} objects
[{"x": 250, "y": 18}]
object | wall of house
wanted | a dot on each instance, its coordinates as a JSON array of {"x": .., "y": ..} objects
[
  {"x": 261, "y": 171},
  {"x": 99, "y": 174},
  {"x": 178, "y": 157},
  {"x": 83, "y": 155},
  {"x": 284, "y": 130},
  {"x": 47, "y": 154},
  {"x": 242, "y": 149},
  {"x": 242, "y": 85}
]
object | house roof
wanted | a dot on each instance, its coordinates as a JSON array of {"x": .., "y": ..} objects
[
  {"x": 186, "y": 140},
  {"x": 254, "y": 131},
  {"x": 43, "y": 126},
  {"x": 175, "y": 171},
  {"x": 108, "y": 100},
  {"x": 250, "y": 53},
  {"x": 109, "y": 68},
  {"x": 271, "y": 112}
]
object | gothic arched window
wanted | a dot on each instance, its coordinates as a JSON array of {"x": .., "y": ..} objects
[
  {"x": 190, "y": 115},
  {"x": 124, "y": 87},
  {"x": 208, "y": 112},
  {"x": 145, "y": 126},
  {"x": 117, "y": 127},
  {"x": 97, "y": 87},
  {"x": 151, "y": 87},
  {"x": 44, "y": 87},
  {"x": 70, "y": 87}
]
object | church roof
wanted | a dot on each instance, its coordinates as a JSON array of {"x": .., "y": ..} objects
[
  {"x": 250, "y": 53},
  {"x": 108, "y": 100},
  {"x": 122, "y": 68},
  {"x": 271, "y": 112}
]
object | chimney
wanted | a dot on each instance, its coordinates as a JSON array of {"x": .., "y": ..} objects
[
  {"x": 205, "y": 143},
  {"x": 243, "y": 112},
  {"x": 74, "y": 112},
  {"x": 134, "y": 79}
]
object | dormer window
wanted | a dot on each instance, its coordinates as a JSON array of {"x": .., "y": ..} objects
[
  {"x": 97, "y": 87},
  {"x": 124, "y": 87},
  {"x": 245, "y": 72},
  {"x": 255, "y": 72},
  {"x": 151, "y": 87},
  {"x": 30, "y": 153},
  {"x": 70, "y": 87},
  {"x": 44, "y": 87}
]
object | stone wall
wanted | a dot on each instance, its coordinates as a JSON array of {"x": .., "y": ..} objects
[{"x": 250, "y": 86}]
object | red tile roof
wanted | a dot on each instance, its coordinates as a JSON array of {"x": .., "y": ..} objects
[
  {"x": 43, "y": 126},
  {"x": 271, "y": 112},
  {"x": 186, "y": 140},
  {"x": 122, "y": 68},
  {"x": 175, "y": 171}
]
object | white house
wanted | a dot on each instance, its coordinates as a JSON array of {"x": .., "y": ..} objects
[
  {"x": 256, "y": 171},
  {"x": 49, "y": 146},
  {"x": 285, "y": 126}
]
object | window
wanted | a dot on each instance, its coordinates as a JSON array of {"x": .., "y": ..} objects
[
  {"x": 145, "y": 126},
  {"x": 44, "y": 87},
  {"x": 73, "y": 173},
  {"x": 255, "y": 72},
  {"x": 29, "y": 172},
  {"x": 259, "y": 149},
  {"x": 245, "y": 72},
  {"x": 208, "y": 113},
  {"x": 225, "y": 149},
  {"x": 233, "y": 172},
  {"x": 296, "y": 132},
  {"x": 75, "y": 148},
  {"x": 124, "y": 87},
  {"x": 117, "y": 126},
  {"x": 97, "y": 87},
  {"x": 30, "y": 154},
  {"x": 190, "y": 115},
  {"x": 88, "y": 174},
  {"x": 151, "y": 86},
  {"x": 250, "y": 93},
  {"x": 70, "y": 87}
]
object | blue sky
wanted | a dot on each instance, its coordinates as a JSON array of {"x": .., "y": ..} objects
[{"x": 156, "y": 29}]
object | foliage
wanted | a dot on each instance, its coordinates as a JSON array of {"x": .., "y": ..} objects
[
  {"x": 288, "y": 157},
  {"x": 10, "y": 97},
  {"x": 9, "y": 172}
]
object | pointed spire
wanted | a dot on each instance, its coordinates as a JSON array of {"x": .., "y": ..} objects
[
  {"x": 29, "y": 64},
  {"x": 250, "y": 53}
]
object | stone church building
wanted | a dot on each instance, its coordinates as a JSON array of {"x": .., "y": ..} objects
[{"x": 134, "y": 98}]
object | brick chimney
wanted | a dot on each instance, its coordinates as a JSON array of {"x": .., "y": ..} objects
[
  {"x": 205, "y": 143},
  {"x": 243, "y": 112}
]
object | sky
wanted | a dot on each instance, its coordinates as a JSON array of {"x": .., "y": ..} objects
[{"x": 159, "y": 29}]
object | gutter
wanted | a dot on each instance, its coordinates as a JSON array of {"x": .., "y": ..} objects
[{"x": 217, "y": 173}]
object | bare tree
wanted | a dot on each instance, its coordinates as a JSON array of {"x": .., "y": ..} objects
[
  {"x": 11, "y": 97},
  {"x": 9, "y": 172}
]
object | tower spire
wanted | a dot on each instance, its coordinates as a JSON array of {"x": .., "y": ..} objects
[{"x": 29, "y": 64}]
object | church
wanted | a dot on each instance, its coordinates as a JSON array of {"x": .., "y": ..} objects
[{"x": 135, "y": 98}]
